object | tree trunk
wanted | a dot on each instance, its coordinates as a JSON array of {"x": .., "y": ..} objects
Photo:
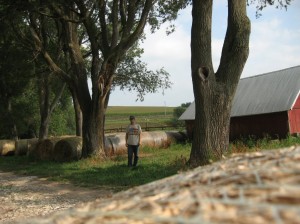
[
  {"x": 107, "y": 48},
  {"x": 12, "y": 125},
  {"x": 214, "y": 92},
  {"x": 211, "y": 132},
  {"x": 94, "y": 119},
  {"x": 44, "y": 104},
  {"x": 78, "y": 113},
  {"x": 92, "y": 108},
  {"x": 44, "y": 127},
  {"x": 93, "y": 132}
]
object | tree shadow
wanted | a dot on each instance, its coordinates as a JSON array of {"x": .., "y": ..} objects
[{"x": 120, "y": 176}]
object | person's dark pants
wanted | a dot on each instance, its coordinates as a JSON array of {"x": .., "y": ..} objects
[{"x": 133, "y": 150}]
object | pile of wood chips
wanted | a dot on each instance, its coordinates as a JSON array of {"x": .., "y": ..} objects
[{"x": 260, "y": 187}]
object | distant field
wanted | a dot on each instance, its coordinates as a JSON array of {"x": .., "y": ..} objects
[
  {"x": 118, "y": 116},
  {"x": 124, "y": 110}
]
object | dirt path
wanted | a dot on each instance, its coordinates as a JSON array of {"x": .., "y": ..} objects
[
  {"x": 251, "y": 188},
  {"x": 28, "y": 196}
]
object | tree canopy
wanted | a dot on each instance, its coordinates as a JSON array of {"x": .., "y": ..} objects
[{"x": 83, "y": 39}]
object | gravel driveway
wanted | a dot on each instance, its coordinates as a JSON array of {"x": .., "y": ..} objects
[
  {"x": 22, "y": 197},
  {"x": 250, "y": 188}
]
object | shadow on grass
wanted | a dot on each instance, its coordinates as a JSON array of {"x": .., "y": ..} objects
[
  {"x": 120, "y": 177},
  {"x": 115, "y": 175}
]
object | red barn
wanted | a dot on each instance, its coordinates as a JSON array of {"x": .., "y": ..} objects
[{"x": 267, "y": 104}]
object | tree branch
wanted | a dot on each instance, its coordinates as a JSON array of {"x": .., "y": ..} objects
[
  {"x": 201, "y": 39},
  {"x": 39, "y": 47},
  {"x": 130, "y": 18},
  {"x": 62, "y": 15},
  {"x": 57, "y": 97},
  {"x": 104, "y": 32},
  {"x": 115, "y": 24},
  {"x": 55, "y": 68},
  {"x": 122, "y": 12},
  {"x": 127, "y": 42},
  {"x": 26, "y": 42},
  {"x": 90, "y": 28},
  {"x": 236, "y": 45}
]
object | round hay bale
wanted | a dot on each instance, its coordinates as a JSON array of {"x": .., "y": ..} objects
[
  {"x": 31, "y": 144},
  {"x": 44, "y": 149},
  {"x": 68, "y": 149},
  {"x": 109, "y": 151},
  {"x": 21, "y": 147},
  {"x": 176, "y": 136},
  {"x": 7, "y": 147},
  {"x": 118, "y": 143},
  {"x": 160, "y": 139},
  {"x": 147, "y": 139},
  {"x": 115, "y": 143}
]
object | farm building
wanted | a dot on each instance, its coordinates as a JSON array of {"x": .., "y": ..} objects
[{"x": 267, "y": 104}]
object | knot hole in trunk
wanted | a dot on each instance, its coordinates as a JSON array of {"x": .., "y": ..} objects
[{"x": 203, "y": 73}]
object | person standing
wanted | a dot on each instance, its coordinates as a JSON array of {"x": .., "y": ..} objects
[{"x": 133, "y": 141}]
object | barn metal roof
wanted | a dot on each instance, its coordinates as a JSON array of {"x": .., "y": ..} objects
[{"x": 266, "y": 93}]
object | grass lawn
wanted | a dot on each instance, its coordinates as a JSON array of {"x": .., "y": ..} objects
[{"x": 113, "y": 173}]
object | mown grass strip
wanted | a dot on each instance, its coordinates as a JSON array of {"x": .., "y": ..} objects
[
  {"x": 154, "y": 164},
  {"x": 113, "y": 173}
]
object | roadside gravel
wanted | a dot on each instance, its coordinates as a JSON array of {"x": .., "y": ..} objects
[{"x": 22, "y": 197}]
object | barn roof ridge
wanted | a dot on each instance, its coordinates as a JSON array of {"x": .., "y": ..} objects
[
  {"x": 269, "y": 73},
  {"x": 271, "y": 92}
]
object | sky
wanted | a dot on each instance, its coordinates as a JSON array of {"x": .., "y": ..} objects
[{"x": 274, "y": 45}]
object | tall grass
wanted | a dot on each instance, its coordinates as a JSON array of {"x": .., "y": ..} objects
[{"x": 251, "y": 144}]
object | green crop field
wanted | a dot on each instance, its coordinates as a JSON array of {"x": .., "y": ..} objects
[
  {"x": 132, "y": 110},
  {"x": 118, "y": 116}
]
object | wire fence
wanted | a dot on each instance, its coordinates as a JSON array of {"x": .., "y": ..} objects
[{"x": 146, "y": 127}]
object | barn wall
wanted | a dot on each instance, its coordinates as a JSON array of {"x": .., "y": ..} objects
[
  {"x": 275, "y": 125},
  {"x": 294, "y": 117},
  {"x": 294, "y": 121},
  {"x": 189, "y": 125},
  {"x": 297, "y": 103}
]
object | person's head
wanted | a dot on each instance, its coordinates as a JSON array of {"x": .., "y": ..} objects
[{"x": 132, "y": 119}]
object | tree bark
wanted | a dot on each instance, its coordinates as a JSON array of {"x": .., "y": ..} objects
[
  {"x": 12, "y": 125},
  {"x": 93, "y": 129},
  {"x": 93, "y": 108},
  {"x": 94, "y": 119},
  {"x": 44, "y": 104},
  {"x": 214, "y": 92},
  {"x": 78, "y": 113}
]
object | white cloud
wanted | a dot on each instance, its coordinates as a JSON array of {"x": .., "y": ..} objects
[
  {"x": 163, "y": 49},
  {"x": 274, "y": 45},
  {"x": 173, "y": 53}
]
